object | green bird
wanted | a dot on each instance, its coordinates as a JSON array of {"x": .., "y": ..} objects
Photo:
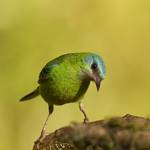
[{"x": 66, "y": 78}]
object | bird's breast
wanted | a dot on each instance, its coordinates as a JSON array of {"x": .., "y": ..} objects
[{"x": 63, "y": 90}]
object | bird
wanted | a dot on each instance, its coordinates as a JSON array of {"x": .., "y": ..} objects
[{"x": 65, "y": 79}]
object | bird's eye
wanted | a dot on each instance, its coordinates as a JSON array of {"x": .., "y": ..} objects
[{"x": 94, "y": 66}]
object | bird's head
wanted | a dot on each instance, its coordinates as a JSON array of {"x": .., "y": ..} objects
[{"x": 93, "y": 68}]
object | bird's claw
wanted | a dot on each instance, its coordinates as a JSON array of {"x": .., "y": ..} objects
[
  {"x": 86, "y": 120},
  {"x": 40, "y": 139}
]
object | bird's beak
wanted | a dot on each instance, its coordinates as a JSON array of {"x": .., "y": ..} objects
[
  {"x": 98, "y": 82},
  {"x": 96, "y": 77}
]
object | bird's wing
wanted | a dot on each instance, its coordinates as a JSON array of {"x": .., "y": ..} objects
[{"x": 44, "y": 74}]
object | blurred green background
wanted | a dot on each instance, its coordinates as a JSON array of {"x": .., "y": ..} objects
[{"x": 34, "y": 31}]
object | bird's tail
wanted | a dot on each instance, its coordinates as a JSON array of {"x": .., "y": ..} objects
[{"x": 31, "y": 95}]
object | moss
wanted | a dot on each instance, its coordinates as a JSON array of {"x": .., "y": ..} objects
[{"x": 118, "y": 133}]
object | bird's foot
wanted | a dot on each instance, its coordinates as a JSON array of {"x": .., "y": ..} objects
[
  {"x": 40, "y": 139},
  {"x": 86, "y": 120}
]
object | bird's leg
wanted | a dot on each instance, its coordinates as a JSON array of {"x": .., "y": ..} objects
[
  {"x": 81, "y": 107},
  {"x": 43, "y": 132}
]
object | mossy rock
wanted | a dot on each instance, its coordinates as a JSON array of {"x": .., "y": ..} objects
[{"x": 118, "y": 133}]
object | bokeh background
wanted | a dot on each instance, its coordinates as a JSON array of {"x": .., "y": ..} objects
[{"x": 34, "y": 31}]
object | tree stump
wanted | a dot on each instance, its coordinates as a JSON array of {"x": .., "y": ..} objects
[{"x": 118, "y": 133}]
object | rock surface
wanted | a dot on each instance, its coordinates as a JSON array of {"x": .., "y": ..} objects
[{"x": 119, "y": 133}]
